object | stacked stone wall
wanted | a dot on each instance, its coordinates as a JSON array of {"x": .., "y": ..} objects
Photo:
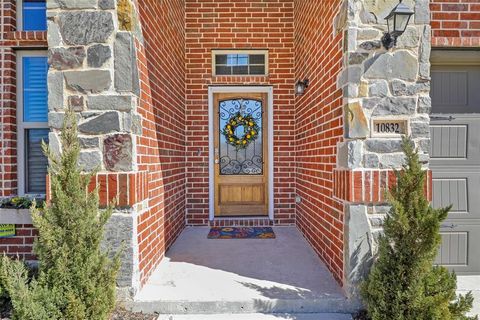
[
  {"x": 93, "y": 71},
  {"x": 383, "y": 86}
]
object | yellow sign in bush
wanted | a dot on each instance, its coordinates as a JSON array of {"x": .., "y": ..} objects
[{"x": 7, "y": 230}]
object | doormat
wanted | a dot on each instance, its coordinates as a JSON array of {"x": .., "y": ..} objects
[{"x": 241, "y": 233}]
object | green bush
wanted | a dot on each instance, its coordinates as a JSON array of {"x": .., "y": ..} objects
[
  {"x": 19, "y": 203},
  {"x": 403, "y": 283},
  {"x": 76, "y": 279}
]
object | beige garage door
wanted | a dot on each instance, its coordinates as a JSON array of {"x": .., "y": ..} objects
[{"x": 455, "y": 158}]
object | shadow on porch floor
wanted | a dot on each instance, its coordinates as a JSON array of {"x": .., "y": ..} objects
[{"x": 200, "y": 275}]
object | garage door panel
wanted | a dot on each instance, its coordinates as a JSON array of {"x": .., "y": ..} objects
[
  {"x": 455, "y": 142},
  {"x": 451, "y": 192},
  {"x": 449, "y": 141},
  {"x": 459, "y": 249},
  {"x": 450, "y": 88},
  {"x": 454, "y": 249},
  {"x": 459, "y": 189},
  {"x": 455, "y": 89}
]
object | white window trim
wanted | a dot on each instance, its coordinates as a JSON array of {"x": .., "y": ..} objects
[
  {"x": 233, "y": 51},
  {"x": 19, "y": 15},
  {"x": 21, "y": 126}
]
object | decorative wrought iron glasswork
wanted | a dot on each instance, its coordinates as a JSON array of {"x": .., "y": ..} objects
[{"x": 248, "y": 160}]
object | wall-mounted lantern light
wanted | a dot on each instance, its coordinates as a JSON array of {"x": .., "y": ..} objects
[
  {"x": 300, "y": 87},
  {"x": 397, "y": 21}
]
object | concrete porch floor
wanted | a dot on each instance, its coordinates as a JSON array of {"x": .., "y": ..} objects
[{"x": 212, "y": 276}]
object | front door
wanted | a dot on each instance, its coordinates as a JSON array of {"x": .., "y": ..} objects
[{"x": 240, "y": 154}]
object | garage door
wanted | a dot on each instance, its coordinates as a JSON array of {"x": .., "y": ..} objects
[{"x": 455, "y": 163}]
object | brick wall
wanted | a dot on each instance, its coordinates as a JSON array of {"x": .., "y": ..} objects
[
  {"x": 369, "y": 186},
  {"x": 161, "y": 148},
  {"x": 21, "y": 244},
  {"x": 8, "y": 146},
  {"x": 9, "y": 13},
  {"x": 319, "y": 126},
  {"x": 123, "y": 189},
  {"x": 8, "y": 129},
  {"x": 455, "y": 23},
  {"x": 233, "y": 24},
  {"x": 10, "y": 41}
]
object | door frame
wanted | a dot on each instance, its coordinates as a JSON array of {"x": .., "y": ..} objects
[{"x": 211, "y": 157}]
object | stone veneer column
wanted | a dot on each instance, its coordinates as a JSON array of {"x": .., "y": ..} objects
[
  {"x": 377, "y": 84},
  {"x": 93, "y": 70}
]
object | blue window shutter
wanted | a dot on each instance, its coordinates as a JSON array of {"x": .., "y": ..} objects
[
  {"x": 34, "y": 16},
  {"x": 35, "y": 105},
  {"x": 36, "y": 161}
]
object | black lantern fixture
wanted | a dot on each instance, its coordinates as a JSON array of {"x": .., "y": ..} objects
[
  {"x": 300, "y": 87},
  {"x": 397, "y": 21}
]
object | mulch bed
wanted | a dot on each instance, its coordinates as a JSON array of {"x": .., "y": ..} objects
[
  {"x": 361, "y": 315},
  {"x": 118, "y": 314},
  {"x": 122, "y": 314}
]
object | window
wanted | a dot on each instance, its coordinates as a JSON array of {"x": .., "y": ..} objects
[
  {"x": 32, "y": 16},
  {"x": 252, "y": 62},
  {"x": 32, "y": 121}
]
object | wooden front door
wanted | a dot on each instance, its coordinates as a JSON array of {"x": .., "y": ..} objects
[{"x": 240, "y": 154}]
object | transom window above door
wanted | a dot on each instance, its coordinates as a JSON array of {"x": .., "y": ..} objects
[{"x": 239, "y": 62}]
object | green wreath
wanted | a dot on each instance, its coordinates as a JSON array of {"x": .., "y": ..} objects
[{"x": 250, "y": 127}]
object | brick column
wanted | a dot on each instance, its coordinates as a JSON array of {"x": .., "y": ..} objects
[
  {"x": 378, "y": 85},
  {"x": 8, "y": 123}
]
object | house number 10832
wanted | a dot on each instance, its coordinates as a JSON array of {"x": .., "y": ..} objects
[{"x": 387, "y": 128}]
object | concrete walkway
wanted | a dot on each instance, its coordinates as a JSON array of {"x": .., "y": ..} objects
[
  {"x": 470, "y": 283},
  {"x": 260, "y": 316},
  {"x": 212, "y": 276}
]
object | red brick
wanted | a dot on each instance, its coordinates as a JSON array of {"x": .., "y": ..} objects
[
  {"x": 319, "y": 215},
  {"x": 453, "y": 21},
  {"x": 455, "y": 7},
  {"x": 161, "y": 148},
  {"x": 446, "y": 33}
]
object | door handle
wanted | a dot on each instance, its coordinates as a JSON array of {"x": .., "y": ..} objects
[
  {"x": 216, "y": 156},
  {"x": 450, "y": 118},
  {"x": 451, "y": 226}
]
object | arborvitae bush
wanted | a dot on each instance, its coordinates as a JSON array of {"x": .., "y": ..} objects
[
  {"x": 76, "y": 279},
  {"x": 403, "y": 283}
]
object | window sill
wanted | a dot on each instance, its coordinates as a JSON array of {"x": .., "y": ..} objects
[
  {"x": 26, "y": 38},
  {"x": 15, "y": 216}
]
